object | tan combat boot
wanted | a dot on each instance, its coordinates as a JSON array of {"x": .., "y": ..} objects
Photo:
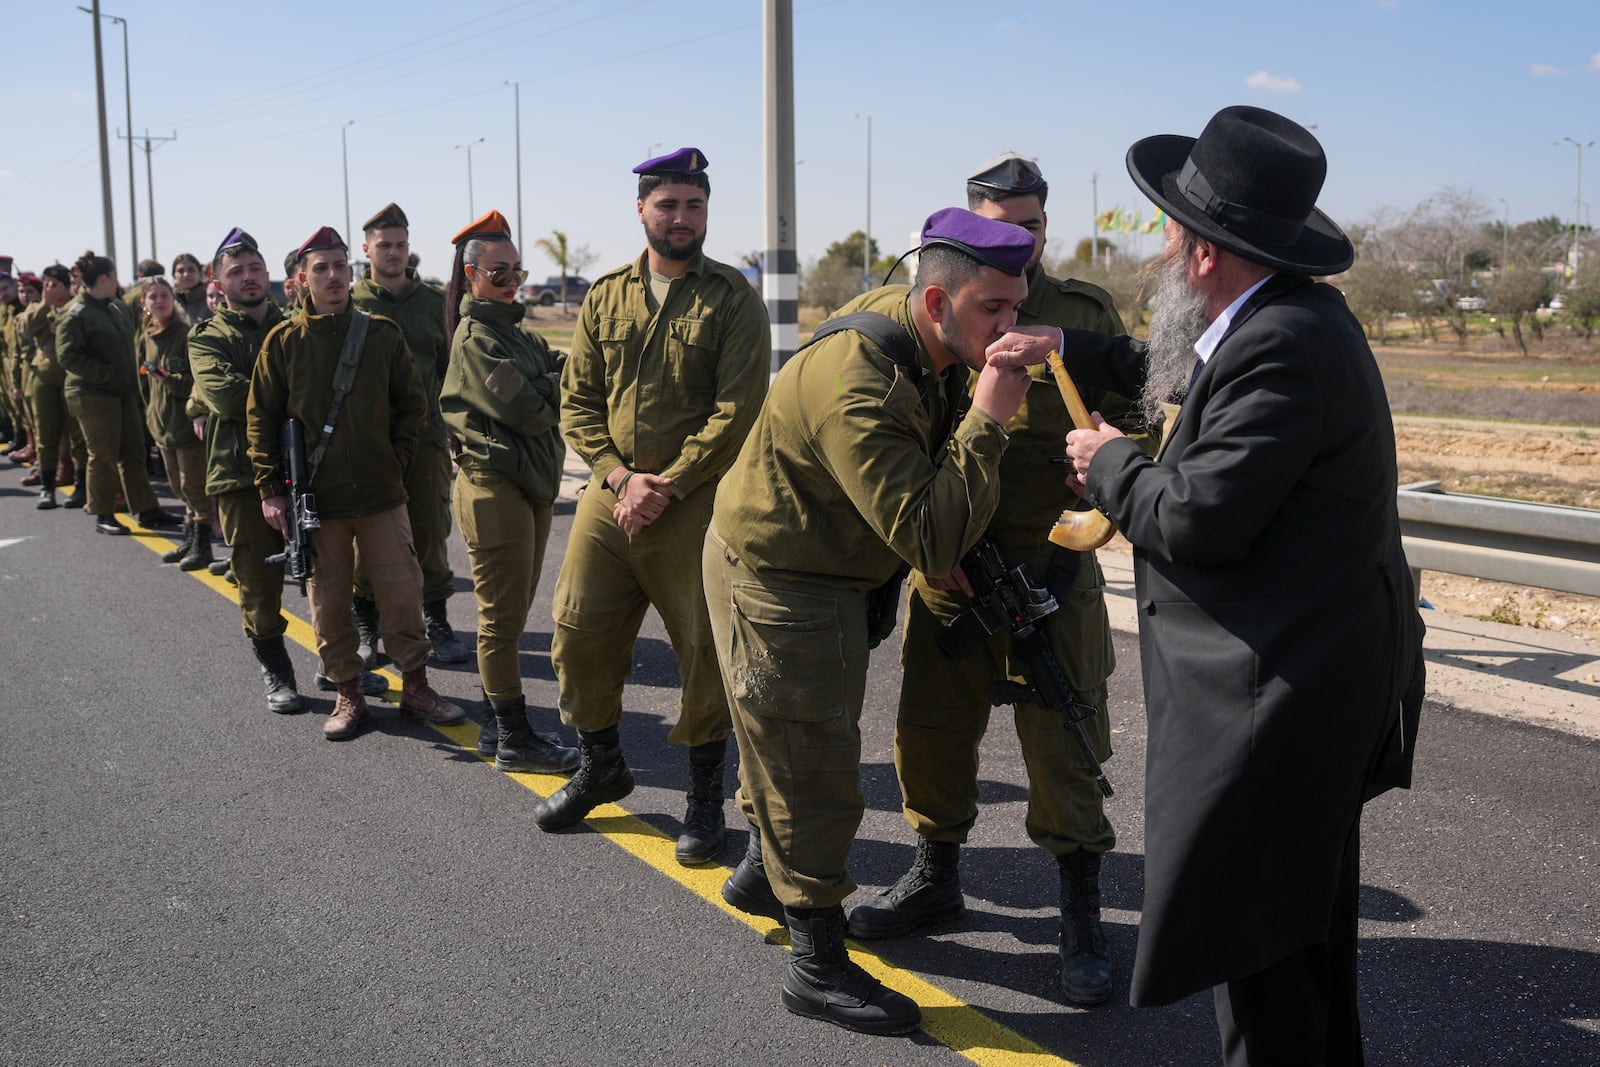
[
  {"x": 349, "y": 712},
  {"x": 418, "y": 698}
]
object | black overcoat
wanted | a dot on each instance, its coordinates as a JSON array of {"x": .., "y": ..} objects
[{"x": 1278, "y": 630}]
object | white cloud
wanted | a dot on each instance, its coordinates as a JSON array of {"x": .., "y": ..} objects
[
  {"x": 1594, "y": 61},
  {"x": 1272, "y": 83},
  {"x": 1544, "y": 69}
]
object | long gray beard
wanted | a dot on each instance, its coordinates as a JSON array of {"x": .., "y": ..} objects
[{"x": 1178, "y": 317}]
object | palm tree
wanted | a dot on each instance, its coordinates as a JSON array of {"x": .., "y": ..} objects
[{"x": 555, "y": 246}]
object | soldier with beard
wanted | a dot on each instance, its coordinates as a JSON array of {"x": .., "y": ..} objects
[
  {"x": 668, "y": 368},
  {"x": 1279, "y": 634}
]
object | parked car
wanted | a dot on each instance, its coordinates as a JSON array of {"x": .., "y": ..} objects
[
  {"x": 1471, "y": 303},
  {"x": 548, "y": 292}
]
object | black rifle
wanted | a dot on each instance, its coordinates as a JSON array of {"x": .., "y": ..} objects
[
  {"x": 295, "y": 559},
  {"x": 1005, "y": 598}
]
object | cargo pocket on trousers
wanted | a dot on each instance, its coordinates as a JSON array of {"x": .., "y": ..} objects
[{"x": 787, "y": 659}]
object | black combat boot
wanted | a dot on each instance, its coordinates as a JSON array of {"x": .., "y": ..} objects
[
  {"x": 47, "y": 491},
  {"x": 80, "y": 490},
  {"x": 703, "y": 825},
  {"x": 602, "y": 777},
  {"x": 365, "y": 611},
  {"x": 159, "y": 519},
  {"x": 928, "y": 893},
  {"x": 747, "y": 888},
  {"x": 488, "y": 730},
  {"x": 822, "y": 982},
  {"x": 181, "y": 549},
  {"x": 108, "y": 524},
  {"x": 199, "y": 554},
  {"x": 1085, "y": 966},
  {"x": 277, "y": 673},
  {"x": 219, "y": 567},
  {"x": 518, "y": 748},
  {"x": 442, "y": 636}
]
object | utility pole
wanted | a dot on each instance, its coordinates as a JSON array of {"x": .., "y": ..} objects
[
  {"x": 105, "y": 146},
  {"x": 150, "y": 181},
  {"x": 780, "y": 281},
  {"x": 127, "y": 94},
  {"x": 516, "y": 90},
  {"x": 1505, "y": 235}
]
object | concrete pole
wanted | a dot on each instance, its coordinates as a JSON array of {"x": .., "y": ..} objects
[
  {"x": 105, "y": 148},
  {"x": 344, "y": 152},
  {"x": 780, "y": 279}
]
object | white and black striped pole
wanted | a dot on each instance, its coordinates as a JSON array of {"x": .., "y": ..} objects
[{"x": 780, "y": 277}]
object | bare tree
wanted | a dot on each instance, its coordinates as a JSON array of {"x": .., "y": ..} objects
[{"x": 1446, "y": 237}]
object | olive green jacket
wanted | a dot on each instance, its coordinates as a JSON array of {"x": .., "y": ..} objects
[
  {"x": 363, "y": 471},
  {"x": 38, "y": 324},
  {"x": 164, "y": 359},
  {"x": 671, "y": 393},
  {"x": 192, "y": 302},
  {"x": 94, "y": 344},
  {"x": 848, "y": 470},
  {"x": 222, "y": 353},
  {"x": 419, "y": 312},
  {"x": 501, "y": 398}
]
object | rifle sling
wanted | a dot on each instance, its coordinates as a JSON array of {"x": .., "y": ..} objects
[{"x": 344, "y": 378}]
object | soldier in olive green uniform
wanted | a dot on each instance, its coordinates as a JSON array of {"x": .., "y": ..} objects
[
  {"x": 857, "y": 465},
  {"x": 222, "y": 352},
  {"x": 944, "y": 702},
  {"x": 163, "y": 351},
  {"x": 189, "y": 287},
  {"x": 502, "y": 402},
  {"x": 54, "y": 422},
  {"x": 12, "y": 392},
  {"x": 394, "y": 290},
  {"x": 357, "y": 458},
  {"x": 94, "y": 343},
  {"x": 668, "y": 367}
]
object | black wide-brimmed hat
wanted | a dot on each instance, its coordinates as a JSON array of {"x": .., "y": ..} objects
[{"x": 1249, "y": 183}]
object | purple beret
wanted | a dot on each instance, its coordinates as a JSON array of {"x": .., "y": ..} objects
[
  {"x": 236, "y": 241},
  {"x": 683, "y": 161},
  {"x": 325, "y": 239},
  {"x": 991, "y": 242}
]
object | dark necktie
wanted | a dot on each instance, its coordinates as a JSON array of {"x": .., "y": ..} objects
[{"x": 1199, "y": 365}]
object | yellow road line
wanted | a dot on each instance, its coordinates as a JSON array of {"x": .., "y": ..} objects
[{"x": 948, "y": 1020}]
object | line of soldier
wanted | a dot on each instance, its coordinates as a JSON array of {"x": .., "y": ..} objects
[{"x": 668, "y": 371}]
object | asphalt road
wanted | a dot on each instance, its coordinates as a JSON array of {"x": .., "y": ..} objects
[{"x": 189, "y": 879}]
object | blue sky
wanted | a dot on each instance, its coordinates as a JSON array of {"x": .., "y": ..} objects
[{"x": 1407, "y": 96}]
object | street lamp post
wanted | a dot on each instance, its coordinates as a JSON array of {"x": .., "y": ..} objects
[
  {"x": 1577, "y": 199},
  {"x": 471, "y": 211},
  {"x": 516, "y": 89},
  {"x": 344, "y": 152},
  {"x": 866, "y": 244}
]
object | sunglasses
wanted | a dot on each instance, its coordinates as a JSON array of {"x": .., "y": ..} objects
[{"x": 503, "y": 276}]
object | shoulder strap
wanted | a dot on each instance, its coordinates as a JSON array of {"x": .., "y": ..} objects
[
  {"x": 343, "y": 379},
  {"x": 886, "y": 335}
]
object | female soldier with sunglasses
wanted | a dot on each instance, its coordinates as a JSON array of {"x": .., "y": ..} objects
[{"x": 501, "y": 402}]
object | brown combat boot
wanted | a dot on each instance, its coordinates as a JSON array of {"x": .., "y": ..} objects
[
  {"x": 418, "y": 698},
  {"x": 349, "y": 712},
  {"x": 65, "y": 469}
]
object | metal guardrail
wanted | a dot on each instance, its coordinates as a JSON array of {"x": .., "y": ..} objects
[{"x": 1542, "y": 545}]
